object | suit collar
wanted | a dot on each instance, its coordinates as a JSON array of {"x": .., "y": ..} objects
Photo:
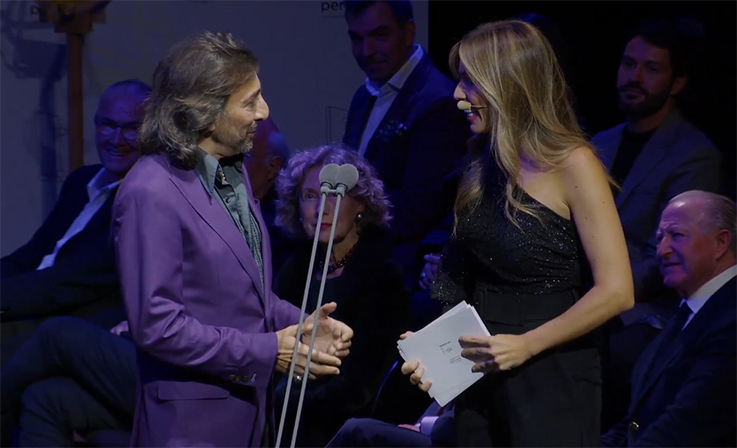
[
  {"x": 101, "y": 218},
  {"x": 652, "y": 154},
  {"x": 207, "y": 168},
  {"x": 400, "y": 78},
  {"x": 194, "y": 192},
  {"x": 655, "y": 367},
  {"x": 361, "y": 107},
  {"x": 708, "y": 289},
  {"x": 104, "y": 182},
  {"x": 403, "y": 103}
]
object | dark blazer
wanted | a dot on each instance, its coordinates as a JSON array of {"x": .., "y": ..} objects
[
  {"x": 684, "y": 394},
  {"x": 677, "y": 158},
  {"x": 375, "y": 303},
  {"x": 417, "y": 144},
  {"x": 83, "y": 280}
]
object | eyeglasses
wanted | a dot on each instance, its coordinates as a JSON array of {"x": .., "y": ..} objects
[{"x": 108, "y": 128}]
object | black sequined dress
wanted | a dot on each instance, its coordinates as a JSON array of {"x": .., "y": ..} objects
[{"x": 519, "y": 278}]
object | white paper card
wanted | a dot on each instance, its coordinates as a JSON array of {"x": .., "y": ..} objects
[{"x": 436, "y": 347}]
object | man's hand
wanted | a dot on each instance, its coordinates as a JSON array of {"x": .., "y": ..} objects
[
  {"x": 120, "y": 328},
  {"x": 321, "y": 363},
  {"x": 333, "y": 337}
]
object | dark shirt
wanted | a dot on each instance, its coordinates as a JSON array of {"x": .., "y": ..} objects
[
  {"x": 629, "y": 148},
  {"x": 224, "y": 182}
]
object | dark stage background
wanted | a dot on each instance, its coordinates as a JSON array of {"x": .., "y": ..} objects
[{"x": 594, "y": 34}]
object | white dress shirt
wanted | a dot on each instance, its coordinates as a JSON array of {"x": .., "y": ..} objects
[
  {"x": 98, "y": 190},
  {"x": 385, "y": 95},
  {"x": 699, "y": 298}
]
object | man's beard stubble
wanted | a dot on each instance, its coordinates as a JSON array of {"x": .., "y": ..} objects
[
  {"x": 651, "y": 104},
  {"x": 229, "y": 138}
]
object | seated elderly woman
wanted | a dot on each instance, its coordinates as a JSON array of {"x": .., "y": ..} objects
[{"x": 366, "y": 285}]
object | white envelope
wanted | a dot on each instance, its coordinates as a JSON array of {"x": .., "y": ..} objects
[{"x": 437, "y": 348}]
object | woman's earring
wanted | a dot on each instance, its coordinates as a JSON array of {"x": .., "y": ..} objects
[{"x": 359, "y": 217}]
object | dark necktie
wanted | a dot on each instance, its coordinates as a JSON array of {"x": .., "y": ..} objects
[
  {"x": 675, "y": 325},
  {"x": 669, "y": 334}
]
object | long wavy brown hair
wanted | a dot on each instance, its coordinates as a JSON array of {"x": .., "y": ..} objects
[
  {"x": 530, "y": 116},
  {"x": 191, "y": 86}
]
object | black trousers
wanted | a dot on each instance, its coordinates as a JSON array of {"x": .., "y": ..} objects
[
  {"x": 71, "y": 375},
  {"x": 554, "y": 399}
]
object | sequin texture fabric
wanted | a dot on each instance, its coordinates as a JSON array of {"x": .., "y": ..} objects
[{"x": 541, "y": 256}]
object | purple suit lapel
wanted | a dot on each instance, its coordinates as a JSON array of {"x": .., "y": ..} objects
[{"x": 212, "y": 212}]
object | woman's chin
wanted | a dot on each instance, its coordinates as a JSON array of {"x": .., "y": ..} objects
[
  {"x": 477, "y": 127},
  {"x": 325, "y": 237}
]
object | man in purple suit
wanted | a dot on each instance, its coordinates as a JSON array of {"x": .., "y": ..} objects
[{"x": 194, "y": 260}]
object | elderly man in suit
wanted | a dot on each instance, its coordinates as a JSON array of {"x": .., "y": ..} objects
[
  {"x": 195, "y": 263},
  {"x": 68, "y": 266},
  {"x": 683, "y": 385},
  {"x": 655, "y": 155},
  {"x": 404, "y": 121}
]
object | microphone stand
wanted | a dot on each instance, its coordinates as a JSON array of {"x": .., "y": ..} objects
[
  {"x": 317, "y": 313},
  {"x": 325, "y": 189}
]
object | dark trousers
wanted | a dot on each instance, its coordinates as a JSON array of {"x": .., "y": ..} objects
[
  {"x": 625, "y": 345},
  {"x": 367, "y": 432},
  {"x": 554, "y": 399},
  {"x": 30, "y": 298},
  {"x": 314, "y": 430},
  {"x": 13, "y": 335},
  {"x": 71, "y": 375}
]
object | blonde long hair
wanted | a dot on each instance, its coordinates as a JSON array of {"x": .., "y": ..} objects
[{"x": 530, "y": 115}]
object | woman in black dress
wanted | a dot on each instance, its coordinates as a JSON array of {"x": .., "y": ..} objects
[{"x": 534, "y": 215}]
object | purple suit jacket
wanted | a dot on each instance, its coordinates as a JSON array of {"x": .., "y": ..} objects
[{"x": 204, "y": 326}]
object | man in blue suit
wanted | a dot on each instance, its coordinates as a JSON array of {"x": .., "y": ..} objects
[
  {"x": 683, "y": 385},
  {"x": 404, "y": 121}
]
